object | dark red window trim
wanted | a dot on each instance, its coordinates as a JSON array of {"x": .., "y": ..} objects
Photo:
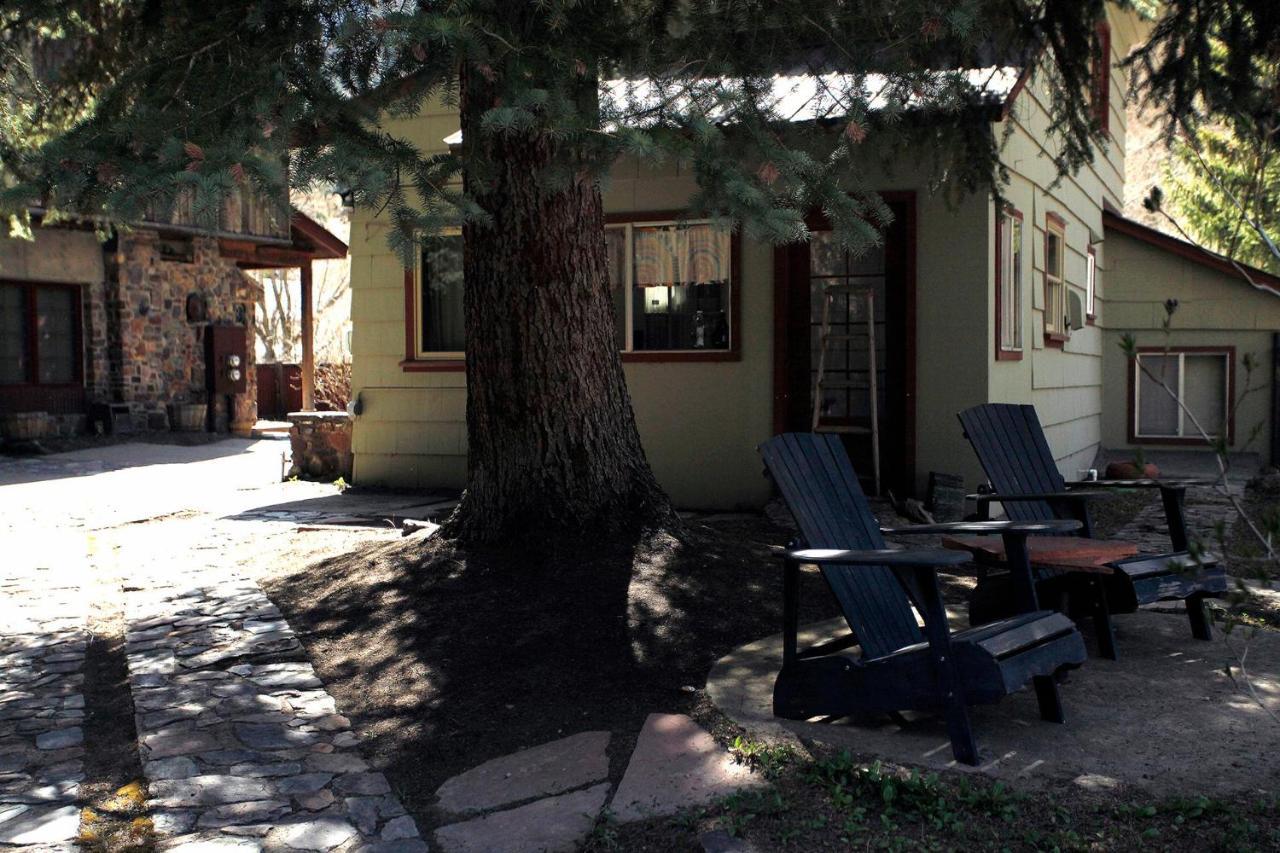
[
  {"x": 415, "y": 363},
  {"x": 1132, "y": 427},
  {"x": 1003, "y": 354},
  {"x": 1101, "y": 95},
  {"x": 1054, "y": 339},
  {"x": 33, "y": 336}
]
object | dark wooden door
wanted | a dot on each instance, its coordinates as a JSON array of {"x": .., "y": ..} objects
[{"x": 801, "y": 271}]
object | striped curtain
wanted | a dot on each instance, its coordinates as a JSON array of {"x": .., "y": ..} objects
[{"x": 672, "y": 255}]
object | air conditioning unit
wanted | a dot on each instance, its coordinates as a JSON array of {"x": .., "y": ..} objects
[{"x": 1075, "y": 310}]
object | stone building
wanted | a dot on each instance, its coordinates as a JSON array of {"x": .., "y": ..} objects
[{"x": 115, "y": 331}]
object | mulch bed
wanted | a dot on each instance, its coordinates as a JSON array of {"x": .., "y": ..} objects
[{"x": 446, "y": 659}]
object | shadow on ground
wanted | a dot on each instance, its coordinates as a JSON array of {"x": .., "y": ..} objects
[{"x": 446, "y": 659}]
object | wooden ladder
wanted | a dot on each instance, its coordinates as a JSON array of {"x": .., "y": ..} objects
[{"x": 821, "y": 382}]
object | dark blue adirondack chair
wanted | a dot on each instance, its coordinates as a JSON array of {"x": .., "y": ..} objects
[
  {"x": 902, "y": 665},
  {"x": 1011, "y": 446}
]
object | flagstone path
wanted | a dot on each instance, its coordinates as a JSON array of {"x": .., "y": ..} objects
[{"x": 241, "y": 746}]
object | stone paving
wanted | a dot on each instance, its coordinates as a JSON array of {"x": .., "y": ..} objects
[
  {"x": 242, "y": 747},
  {"x": 239, "y": 739},
  {"x": 549, "y": 797}
]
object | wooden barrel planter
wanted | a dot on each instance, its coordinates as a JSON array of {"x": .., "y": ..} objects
[
  {"x": 189, "y": 417},
  {"x": 24, "y": 426}
]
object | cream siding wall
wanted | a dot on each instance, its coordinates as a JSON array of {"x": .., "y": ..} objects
[
  {"x": 1064, "y": 384},
  {"x": 1214, "y": 309}
]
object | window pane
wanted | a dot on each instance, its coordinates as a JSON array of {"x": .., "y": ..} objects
[
  {"x": 826, "y": 257},
  {"x": 1157, "y": 411},
  {"x": 1053, "y": 254},
  {"x": 681, "y": 293},
  {"x": 442, "y": 317},
  {"x": 1204, "y": 390},
  {"x": 56, "y": 331},
  {"x": 1015, "y": 280},
  {"x": 615, "y": 246},
  {"x": 13, "y": 335},
  {"x": 1091, "y": 283}
]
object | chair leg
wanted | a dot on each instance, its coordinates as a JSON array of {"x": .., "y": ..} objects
[
  {"x": 1102, "y": 622},
  {"x": 1201, "y": 628},
  {"x": 1050, "y": 701},
  {"x": 963, "y": 745}
]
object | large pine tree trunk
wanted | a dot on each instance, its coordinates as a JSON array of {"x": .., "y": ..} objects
[{"x": 553, "y": 448}]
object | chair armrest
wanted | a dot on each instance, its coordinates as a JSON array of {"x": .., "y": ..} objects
[
  {"x": 932, "y": 557},
  {"x": 1136, "y": 484},
  {"x": 996, "y": 498},
  {"x": 989, "y": 528}
]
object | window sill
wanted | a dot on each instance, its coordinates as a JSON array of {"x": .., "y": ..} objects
[
  {"x": 1173, "y": 441},
  {"x": 1008, "y": 354},
  {"x": 454, "y": 365},
  {"x": 1055, "y": 339},
  {"x": 649, "y": 356},
  {"x": 433, "y": 365}
]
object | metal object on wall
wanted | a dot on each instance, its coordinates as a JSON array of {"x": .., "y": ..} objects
[{"x": 227, "y": 359}]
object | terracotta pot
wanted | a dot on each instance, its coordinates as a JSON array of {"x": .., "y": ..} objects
[{"x": 1130, "y": 471}]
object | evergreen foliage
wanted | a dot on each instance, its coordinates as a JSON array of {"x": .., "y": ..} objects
[{"x": 148, "y": 99}]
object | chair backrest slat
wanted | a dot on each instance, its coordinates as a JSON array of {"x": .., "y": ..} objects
[
  {"x": 1011, "y": 446},
  {"x": 818, "y": 482}
]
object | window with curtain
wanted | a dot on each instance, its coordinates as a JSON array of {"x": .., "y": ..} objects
[
  {"x": 1091, "y": 283},
  {"x": 1009, "y": 280},
  {"x": 1202, "y": 380},
  {"x": 671, "y": 284},
  {"x": 680, "y": 280}
]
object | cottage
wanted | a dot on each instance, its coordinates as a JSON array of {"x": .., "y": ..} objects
[
  {"x": 721, "y": 335},
  {"x": 144, "y": 328}
]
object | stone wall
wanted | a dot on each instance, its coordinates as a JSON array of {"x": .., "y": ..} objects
[
  {"x": 321, "y": 445},
  {"x": 152, "y": 355}
]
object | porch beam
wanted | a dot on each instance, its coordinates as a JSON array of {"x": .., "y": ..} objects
[{"x": 308, "y": 343}]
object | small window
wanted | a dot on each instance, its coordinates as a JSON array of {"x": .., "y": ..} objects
[
  {"x": 13, "y": 334},
  {"x": 1202, "y": 381},
  {"x": 1009, "y": 283},
  {"x": 1100, "y": 97},
  {"x": 39, "y": 334},
  {"x": 1091, "y": 284},
  {"x": 440, "y": 299},
  {"x": 1055, "y": 286}
]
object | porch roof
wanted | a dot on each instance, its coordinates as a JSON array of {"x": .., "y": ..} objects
[{"x": 308, "y": 241}]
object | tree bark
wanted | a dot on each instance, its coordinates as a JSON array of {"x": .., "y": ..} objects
[{"x": 553, "y": 448}]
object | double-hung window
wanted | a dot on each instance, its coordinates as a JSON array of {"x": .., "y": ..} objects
[
  {"x": 1201, "y": 378},
  {"x": 672, "y": 286},
  {"x": 1091, "y": 284},
  {"x": 1009, "y": 284},
  {"x": 1055, "y": 285}
]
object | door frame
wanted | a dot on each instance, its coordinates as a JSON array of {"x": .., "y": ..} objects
[{"x": 790, "y": 270}]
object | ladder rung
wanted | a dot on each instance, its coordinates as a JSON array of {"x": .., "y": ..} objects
[{"x": 843, "y": 428}]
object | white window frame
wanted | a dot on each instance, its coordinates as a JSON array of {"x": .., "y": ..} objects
[
  {"x": 1009, "y": 257},
  {"x": 1055, "y": 286},
  {"x": 628, "y": 302},
  {"x": 1186, "y": 430},
  {"x": 1091, "y": 284}
]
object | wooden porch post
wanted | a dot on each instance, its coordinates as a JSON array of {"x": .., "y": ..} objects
[{"x": 308, "y": 347}]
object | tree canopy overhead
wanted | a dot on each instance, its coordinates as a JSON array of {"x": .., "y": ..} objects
[{"x": 133, "y": 100}]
